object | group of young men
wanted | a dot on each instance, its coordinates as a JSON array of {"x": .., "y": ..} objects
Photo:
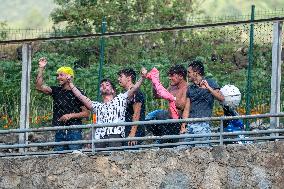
[{"x": 70, "y": 104}]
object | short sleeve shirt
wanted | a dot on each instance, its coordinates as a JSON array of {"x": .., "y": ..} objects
[
  {"x": 65, "y": 102},
  {"x": 137, "y": 98},
  {"x": 110, "y": 112},
  {"x": 201, "y": 100}
]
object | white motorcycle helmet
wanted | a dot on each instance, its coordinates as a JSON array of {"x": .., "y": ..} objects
[{"x": 232, "y": 96}]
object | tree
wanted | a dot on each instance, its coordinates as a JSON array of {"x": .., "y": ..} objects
[{"x": 86, "y": 15}]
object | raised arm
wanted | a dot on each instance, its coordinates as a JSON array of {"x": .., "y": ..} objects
[
  {"x": 154, "y": 91},
  {"x": 85, "y": 100},
  {"x": 39, "y": 79},
  {"x": 138, "y": 83},
  {"x": 215, "y": 92}
]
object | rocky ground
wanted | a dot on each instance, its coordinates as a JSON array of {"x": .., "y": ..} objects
[{"x": 231, "y": 166}]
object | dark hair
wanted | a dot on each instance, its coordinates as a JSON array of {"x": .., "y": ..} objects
[
  {"x": 110, "y": 82},
  {"x": 197, "y": 66},
  {"x": 179, "y": 70},
  {"x": 128, "y": 72}
]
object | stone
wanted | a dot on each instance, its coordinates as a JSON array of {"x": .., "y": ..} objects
[{"x": 231, "y": 166}]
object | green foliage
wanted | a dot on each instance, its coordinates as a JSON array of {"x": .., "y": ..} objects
[
  {"x": 122, "y": 15},
  {"x": 3, "y": 34},
  {"x": 10, "y": 86},
  {"x": 86, "y": 78},
  {"x": 86, "y": 16},
  {"x": 160, "y": 50}
]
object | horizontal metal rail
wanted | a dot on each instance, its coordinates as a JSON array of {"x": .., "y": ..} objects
[
  {"x": 164, "y": 137},
  {"x": 109, "y": 149},
  {"x": 150, "y": 122},
  {"x": 221, "y": 135},
  {"x": 137, "y": 147}
]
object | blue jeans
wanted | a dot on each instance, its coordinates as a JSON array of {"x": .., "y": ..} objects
[
  {"x": 162, "y": 129},
  {"x": 68, "y": 135},
  {"x": 198, "y": 128}
]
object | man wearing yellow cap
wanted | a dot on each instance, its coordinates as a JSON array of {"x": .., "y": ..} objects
[{"x": 67, "y": 108}]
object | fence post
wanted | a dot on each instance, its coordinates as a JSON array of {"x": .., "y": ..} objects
[
  {"x": 221, "y": 133},
  {"x": 102, "y": 51},
  {"x": 25, "y": 92},
  {"x": 276, "y": 74},
  {"x": 93, "y": 139},
  {"x": 249, "y": 81}
]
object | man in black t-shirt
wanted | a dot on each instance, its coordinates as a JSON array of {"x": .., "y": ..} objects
[
  {"x": 135, "y": 110},
  {"x": 67, "y": 108}
]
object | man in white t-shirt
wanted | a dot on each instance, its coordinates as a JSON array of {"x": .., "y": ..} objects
[{"x": 111, "y": 110}]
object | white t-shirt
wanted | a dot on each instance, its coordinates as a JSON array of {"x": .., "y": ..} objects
[{"x": 110, "y": 112}]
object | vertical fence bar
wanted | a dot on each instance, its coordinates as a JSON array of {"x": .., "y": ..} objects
[
  {"x": 276, "y": 74},
  {"x": 25, "y": 92},
  {"x": 249, "y": 80},
  {"x": 102, "y": 51},
  {"x": 221, "y": 133},
  {"x": 93, "y": 144}
]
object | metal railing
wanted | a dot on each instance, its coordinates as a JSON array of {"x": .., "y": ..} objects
[{"x": 218, "y": 138}]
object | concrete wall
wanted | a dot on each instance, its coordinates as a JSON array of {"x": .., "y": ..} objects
[{"x": 232, "y": 166}]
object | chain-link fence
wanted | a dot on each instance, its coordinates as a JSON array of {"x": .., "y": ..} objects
[
  {"x": 222, "y": 47},
  {"x": 17, "y": 34}
]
